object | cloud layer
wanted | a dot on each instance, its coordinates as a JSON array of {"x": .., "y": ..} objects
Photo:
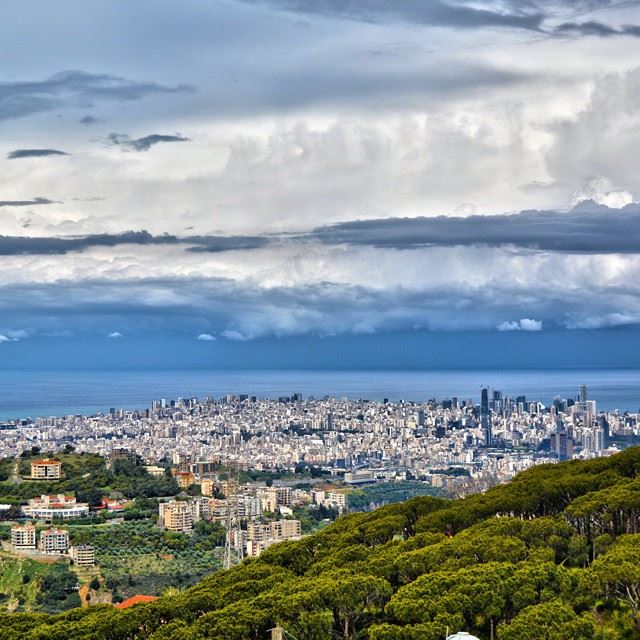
[
  {"x": 587, "y": 228},
  {"x": 347, "y": 168}
]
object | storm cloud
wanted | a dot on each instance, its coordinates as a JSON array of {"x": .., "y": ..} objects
[
  {"x": 587, "y": 228},
  {"x": 26, "y": 245}
]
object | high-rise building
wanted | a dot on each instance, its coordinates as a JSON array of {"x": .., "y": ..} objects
[
  {"x": 485, "y": 419},
  {"x": 561, "y": 441},
  {"x": 484, "y": 401},
  {"x": 583, "y": 396}
]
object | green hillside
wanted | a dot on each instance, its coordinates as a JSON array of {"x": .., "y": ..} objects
[{"x": 554, "y": 555}]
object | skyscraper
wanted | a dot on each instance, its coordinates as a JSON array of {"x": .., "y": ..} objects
[
  {"x": 484, "y": 418},
  {"x": 583, "y": 396},
  {"x": 561, "y": 441}
]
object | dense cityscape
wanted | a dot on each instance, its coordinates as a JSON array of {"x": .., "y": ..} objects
[{"x": 353, "y": 440}]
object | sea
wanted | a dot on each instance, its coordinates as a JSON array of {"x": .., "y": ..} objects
[{"x": 57, "y": 393}]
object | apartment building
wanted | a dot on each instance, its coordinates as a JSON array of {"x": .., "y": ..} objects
[
  {"x": 184, "y": 479},
  {"x": 46, "y": 470},
  {"x": 54, "y": 541},
  {"x": 176, "y": 515},
  {"x": 286, "y": 529},
  {"x": 207, "y": 487},
  {"x": 83, "y": 555},
  {"x": 23, "y": 538}
]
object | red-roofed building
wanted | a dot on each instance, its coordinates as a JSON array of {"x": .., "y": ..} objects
[
  {"x": 133, "y": 600},
  {"x": 110, "y": 505}
]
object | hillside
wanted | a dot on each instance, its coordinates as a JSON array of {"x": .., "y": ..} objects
[{"x": 554, "y": 555}]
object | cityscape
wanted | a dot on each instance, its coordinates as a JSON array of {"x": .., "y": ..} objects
[
  {"x": 320, "y": 320},
  {"x": 324, "y": 448},
  {"x": 353, "y": 440}
]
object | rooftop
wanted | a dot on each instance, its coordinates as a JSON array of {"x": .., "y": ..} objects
[{"x": 133, "y": 600}]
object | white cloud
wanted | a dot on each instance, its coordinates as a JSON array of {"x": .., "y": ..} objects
[
  {"x": 604, "y": 321},
  {"x": 235, "y": 336},
  {"x": 17, "y": 334},
  {"x": 601, "y": 190},
  {"x": 13, "y": 335},
  {"x": 525, "y": 324},
  {"x": 115, "y": 334},
  {"x": 206, "y": 337}
]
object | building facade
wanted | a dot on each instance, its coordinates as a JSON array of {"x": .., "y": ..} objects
[
  {"x": 46, "y": 470},
  {"x": 23, "y": 537},
  {"x": 83, "y": 555},
  {"x": 176, "y": 515},
  {"x": 61, "y": 506},
  {"x": 54, "y": 541}
]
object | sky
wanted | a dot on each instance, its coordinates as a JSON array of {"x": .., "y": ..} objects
[{"x": 319, "y": 183}]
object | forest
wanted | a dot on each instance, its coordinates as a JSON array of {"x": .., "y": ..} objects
[{"x": 553, "y": 555}]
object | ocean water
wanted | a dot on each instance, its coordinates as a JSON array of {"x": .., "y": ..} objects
[{"x": 50, "y": 393}]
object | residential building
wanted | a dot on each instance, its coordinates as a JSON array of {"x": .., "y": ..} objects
[
  {"x": 83, "y": 555},
  {"x": 23, "y": 538},
  {"x": 184, "y": 479},
  {"x": 54, "y": 541},
  {"x": 176, "y": 515},
  {"x": 207, "y": 487},
  {"x": 46, "y": 470}
]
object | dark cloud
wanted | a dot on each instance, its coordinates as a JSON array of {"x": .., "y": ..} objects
[
  {"x": 142, "y": 144},
  {"x": 34, "y": 153},
  {"x": 431, "y": 12},
  {"x": 72, "y": 89},
  {"x": 216, "y": 244},
  {"x": 88, "y": 120},
  {"x": 528, "y": 15},
  {"x": 594, "y": 28},
  {"x": 29, "y": 245},
  {"x": 588, "y": 228},
  {"x": 27, "y": 203}
]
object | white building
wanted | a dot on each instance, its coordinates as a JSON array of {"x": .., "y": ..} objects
[
  {"x": 23, "y": 537},
  {"x": 54, "y": 541},
  {"x": 60, "y": 507}
]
